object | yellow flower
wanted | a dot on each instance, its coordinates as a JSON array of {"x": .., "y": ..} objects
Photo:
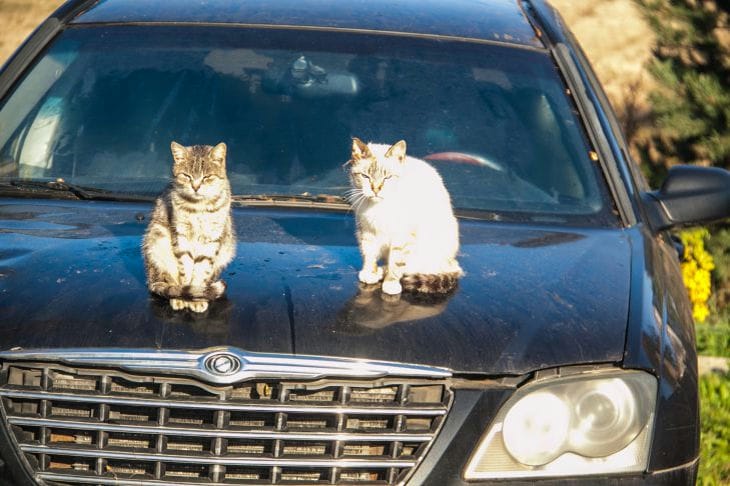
[{"x": 696, "y": 269}]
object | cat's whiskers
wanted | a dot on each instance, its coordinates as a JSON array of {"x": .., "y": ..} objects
[
  {"x": 359, "y": 202},
  {"x": 356, "y": 197},
  {"x": 349, "y": 193}
]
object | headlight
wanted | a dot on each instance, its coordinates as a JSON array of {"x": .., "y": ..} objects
[{"x": 590, "y": 423}]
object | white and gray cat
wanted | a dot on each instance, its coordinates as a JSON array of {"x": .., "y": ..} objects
[
  {"x": 404, "y": 219},
  {"x": 190, "y": 237}
]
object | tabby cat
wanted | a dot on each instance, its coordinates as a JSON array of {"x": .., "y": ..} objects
[
  {"x": 190, "y": 236},
  {"x": 404, "y": 219}
]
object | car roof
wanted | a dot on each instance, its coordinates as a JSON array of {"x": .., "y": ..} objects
[{"x": 501, "y": 21}]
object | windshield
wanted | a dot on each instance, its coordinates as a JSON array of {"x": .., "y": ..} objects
[{"x": 102, "y": 105}]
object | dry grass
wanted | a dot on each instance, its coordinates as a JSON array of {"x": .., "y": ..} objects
[
  {"x": 618, "y": 43},
  {"x": 18, "y": 18}
]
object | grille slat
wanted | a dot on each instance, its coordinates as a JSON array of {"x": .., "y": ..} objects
[
  {"x": 274, "y": 407},
  {"x": 117, "y": 481},
  {"x": 100, "y": 426},
  {"x": 283, "y": 461}
]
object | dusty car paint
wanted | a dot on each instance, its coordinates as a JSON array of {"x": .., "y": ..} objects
[
  {"x": 533, "y": 297},
  {"x": 660, "y": 338},
  {"x": 506, "y": 21}
]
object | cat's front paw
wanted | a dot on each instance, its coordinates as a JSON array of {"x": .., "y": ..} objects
[
  {"x": 198, "y": 305},
  {"x": 390, "y": 300},
  {"x": 370, "y": 277},
  {"x": 392, "y": 287},
  {"x": 218, "y": 288},
  {"x": 177, "y": 304}
]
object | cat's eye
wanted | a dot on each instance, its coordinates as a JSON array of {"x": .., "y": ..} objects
[
  {"x": 365, "y": 176},
  {"x": 387, "y": 177},
  {"x": 209, "y": 178},
  {"x": 183, "y": 175}
]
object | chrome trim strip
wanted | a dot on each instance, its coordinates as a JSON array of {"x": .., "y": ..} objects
[
  {"x": 253, "y": 365},
  {"x": 227, "y": 434},
  {"x": 218, "y": 460},
  {"x": 234, "y": 407}
]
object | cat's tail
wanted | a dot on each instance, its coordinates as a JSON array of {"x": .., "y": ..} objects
[
  {"x": 431, "y": 283},
  {"x": 189, "y": 292}
]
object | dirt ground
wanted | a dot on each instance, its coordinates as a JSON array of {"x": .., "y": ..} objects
[
  {"x": 618, "y": 43},
  {"x": 18, "y": 18},
  {"x": 612, "y": 33}
]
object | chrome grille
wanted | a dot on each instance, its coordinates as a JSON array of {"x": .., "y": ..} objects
[{"x": 80, "y": 425}]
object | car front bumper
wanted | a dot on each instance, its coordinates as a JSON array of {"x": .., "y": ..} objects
[{"x": 474, "y": 404}]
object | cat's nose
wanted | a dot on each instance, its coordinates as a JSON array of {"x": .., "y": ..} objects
[{"x": 196, "y": 187}]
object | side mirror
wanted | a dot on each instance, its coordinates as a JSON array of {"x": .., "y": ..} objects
[{"x": 689, "y": 195}]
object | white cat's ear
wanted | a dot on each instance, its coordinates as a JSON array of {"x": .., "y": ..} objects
[
  {"x": 398, "y": 150},
  {"x": 179, "y": 153},
  {"x": 218, "y": 153},
  {"x": 360, "y": 150}
]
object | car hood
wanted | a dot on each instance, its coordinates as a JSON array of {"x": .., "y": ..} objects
[{"x": 71, "y": 275}]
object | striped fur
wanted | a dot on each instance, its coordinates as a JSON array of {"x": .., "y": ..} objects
[
  {"x": 442, "y": 283},
  {"x": 190, "y": 237},
  {"x": 213, "y": 291}
]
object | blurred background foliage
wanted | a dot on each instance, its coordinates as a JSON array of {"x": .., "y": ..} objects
[
  {"x": 690, "y": 123},
  {"x": 691, "y": 101},
  {"x": 715, "y": 419}
]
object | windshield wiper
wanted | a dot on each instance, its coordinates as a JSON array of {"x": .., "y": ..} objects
[
  {"x": 80, "y": 192},
  {"x": 296, "y": 200}
]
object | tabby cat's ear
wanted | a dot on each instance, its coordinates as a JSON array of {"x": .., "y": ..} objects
[
  {"x": 360, "y": 150},
  {"x": 218, "y": 153},
  {"x": 398, "y": 150},
  {"x": 179, "y": 153}
]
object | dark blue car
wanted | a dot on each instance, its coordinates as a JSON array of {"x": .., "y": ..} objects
[{"x": 566, "y": 355}]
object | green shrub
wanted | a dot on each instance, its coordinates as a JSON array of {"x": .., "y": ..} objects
[
  {"x": 715, "y": 439},
  {"x": 713, "y": 339},
  {"x": 719, "y": 247},
  {"x": 691, "y": 65}
]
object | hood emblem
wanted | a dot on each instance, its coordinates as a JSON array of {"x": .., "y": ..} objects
[{"x": 223, "y": 364}]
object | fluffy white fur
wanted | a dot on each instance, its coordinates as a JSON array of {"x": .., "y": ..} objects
[{"x": 404, "y": 217}]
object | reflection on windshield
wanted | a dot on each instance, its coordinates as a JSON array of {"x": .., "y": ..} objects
[{"x": 100, "y": 109}]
